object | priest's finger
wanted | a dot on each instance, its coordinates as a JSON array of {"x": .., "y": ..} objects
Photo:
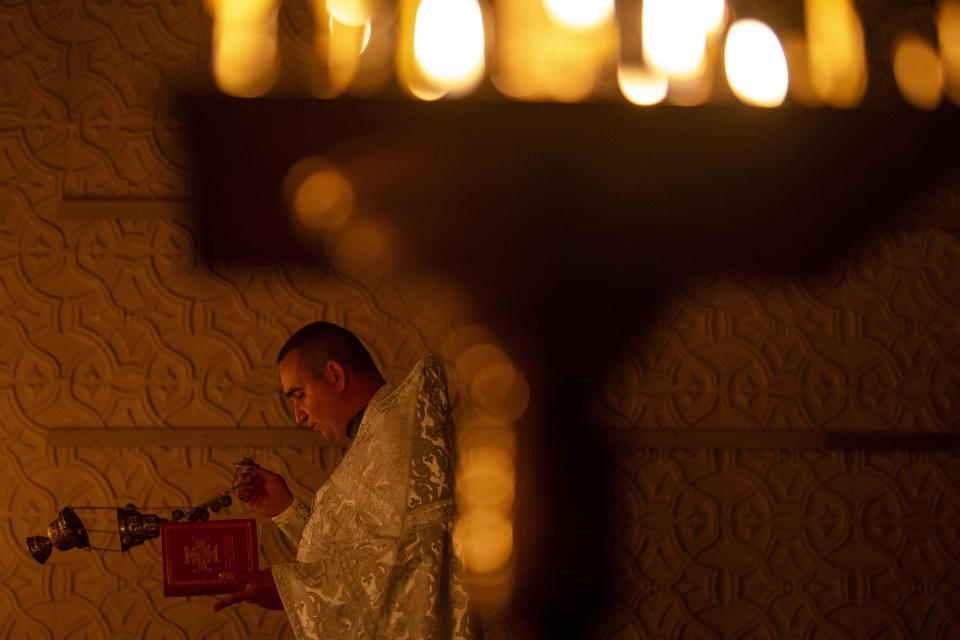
[
  {"x": 243, "y": 595},
  {"x": 240, "y": 596}
]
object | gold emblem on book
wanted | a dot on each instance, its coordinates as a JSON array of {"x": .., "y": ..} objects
[{"x": 201, "y": 554}]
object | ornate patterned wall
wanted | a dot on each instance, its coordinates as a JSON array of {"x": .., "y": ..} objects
[
  {"x": 777, "y": 544},
  {"x": 108, "y": 320},
  {"x": 775, "y": 538},
  {"x": 868, "y": 344}
]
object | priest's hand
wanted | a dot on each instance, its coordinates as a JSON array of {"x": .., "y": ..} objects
[
  {"x": 265, "y": 491},
  {"x": 258, "y": 588}
]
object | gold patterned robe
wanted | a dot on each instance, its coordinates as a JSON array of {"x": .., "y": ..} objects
[{"x": 374, "y": 554}]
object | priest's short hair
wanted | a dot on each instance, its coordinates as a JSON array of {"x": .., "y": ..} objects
[{"x": 319, "y": 342}]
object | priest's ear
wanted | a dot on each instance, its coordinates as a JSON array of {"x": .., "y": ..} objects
[{"x": 337, "y": 373}]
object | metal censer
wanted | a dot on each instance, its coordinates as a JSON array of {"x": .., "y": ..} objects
[
  {"x": 65, "y": 532},
  {"x": 68, "y": 532},
  {"x": 135, "y": 527}
]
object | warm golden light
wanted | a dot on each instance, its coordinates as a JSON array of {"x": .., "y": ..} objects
[
  {"x": 352, "y": 42},
  {"x": 323, "y": 200},
  {"x": 244, "y": 64},
  {"x": 579, "y": 14},
  {"x": 916, "y": 69},
  {"x": 362, "y": 251},
  {"x": 755, "y": 64},
  {"x": 248, "y": 14},
  {"x": 365, "y": 38},
  {"x": 485, "y": 539},
  {"x": 674, "y": 36},
  {"x": 319, "y": 197},
  {"x": 493, "y": 384},
  {"x": 948, "y": 34},
  {"x": 712, "y": 14},
  {"x": 485, "y": 479},
  {"x": 838, "y": 66},
  {"x": 448, "y": 43},
  {"x": 343, "y": 44},
  {"x": 478, "y": 432},
  {"x": 800, "y": 87},
  {"x": 487, "y": 385},
  {"x": 353, "y": 13},
  {"x": 427, "y": 92},
  {"x": 244, "y": 46},
  {"x": 537, "y": 57},
  {"x": 641, "y": 86}
]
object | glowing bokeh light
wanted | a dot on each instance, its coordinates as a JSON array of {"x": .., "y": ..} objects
[
  {"x": 755, "y": 64},
  {"x": 575, "y": 73},
  {"x": 485, "y": 538},
  {"x": 579, "y": 14},
  {"x": 319, "y": 197},
  {"x": 917, "y": 71},
  {"x": 323, "y": 200},
  {"x": 487, "y": 384},
  {"x": 344, "y": 44},
  {"x": 427, "y": 92},
  {"x": 674, "y": 37},
  {"x": 948, "y": 35},
  {"x": 539, "y": 58},
  {"x": 244, "y": 63},
  {"x": 448, "y": 43},
  {"x": 641, "y": 86},
  {"x": 246, "y": 14},
  {"x": 485, "y": 479},
  {"x": 364, "y": 31},
  {"x": 362, "y": 251},
  {"x": 838, "y": 66},
  {"x": 476, "y": 431},
  {"x": 244, "y": 46},
  {"x": 690, "y": 92},
  {"x": 354, "y": 13},
  {"x": 712, "y": 14},
  {"x": 800, "y": 87},
  {"x": 493, "y": 384}
]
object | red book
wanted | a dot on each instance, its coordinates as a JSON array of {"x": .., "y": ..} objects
[{"x": 194, "y": 554}]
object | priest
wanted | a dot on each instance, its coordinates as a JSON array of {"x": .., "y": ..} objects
[{"x": 374, "y": 551}]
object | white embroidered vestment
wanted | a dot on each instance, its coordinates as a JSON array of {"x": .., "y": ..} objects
[{"x": 374, "y": 554}]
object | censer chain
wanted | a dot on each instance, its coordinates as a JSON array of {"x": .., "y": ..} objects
[
  {"x": 200, "y": 512},
  {"x": 165, "y": 507}
]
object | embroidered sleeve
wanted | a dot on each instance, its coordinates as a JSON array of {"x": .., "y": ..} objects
[
  {"x": 319, "y": 600},
  {"x": 340, "y": 581},
  {"x": 292, "y": 520}
]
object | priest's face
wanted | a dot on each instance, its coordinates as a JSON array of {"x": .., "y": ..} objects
[{"x": 318, "y": 403}]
